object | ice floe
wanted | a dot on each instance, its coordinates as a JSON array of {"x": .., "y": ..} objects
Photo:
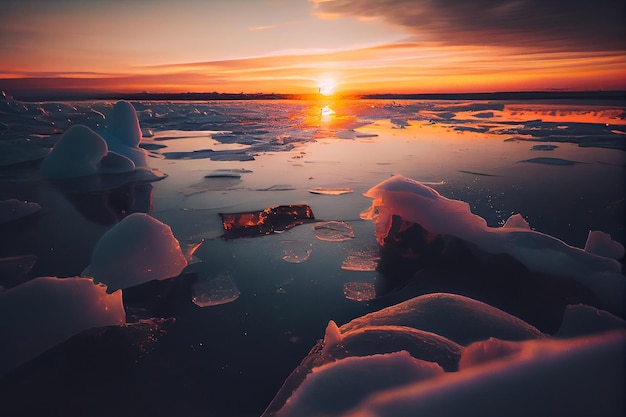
[
  {"x": 43, "y": 312},
  {"x": 82, "y": 151},
  {"x": 544, "y": 378},
  {"x": 463, "y": 377},
  {"x": 419, "y": 204},
  {"x": 136, "y": 250}
]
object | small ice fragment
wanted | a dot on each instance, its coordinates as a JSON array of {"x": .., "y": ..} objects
[
  {"x": 543, "y": 147},
  {"x": 333, "y": 231},
  {"x": 346, "y": 134},
  {"x": 215, "y": 291},
  {"x": 14, "y": 209},
  {"x": 280, "y": 288},
  {"x": 552, "y": 161},
  {"x": 226, "y": 173},
  {"x": 277, "y": 187},
  {"x": 400, "y": 123},
  {"x": 359, "y": 291},
  {"x": 331, "y": 191},
  {"x": 295, "y": 255},
  {"x": 189, "y": 250},
  {"x": 209, "y": 183},
  {"x": 600, "y": 243},
  {"x": 365, "y": 260}
]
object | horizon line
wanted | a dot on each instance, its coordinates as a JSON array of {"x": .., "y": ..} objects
[{"x": 83, "y": 94}]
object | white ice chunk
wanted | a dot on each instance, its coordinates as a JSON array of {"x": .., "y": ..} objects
[
  {"x": 136, "y": 250},
  {"x": 215, "y": 291},
  {"x": 573, "y": 377},
  {"x": 123, "y": 124},
  {"x": 601, "y": 244},
  {"x": 417, "y": 203},
  {"x": 43, "y": 312},
  {"x": 123, "y": 133},
  {"x": 460, "y": 319},
  {"x": 516, "y": 221},
  {"x": 14, "y": 209},
  {"x": 338, "y": 386},
  {"x": 81, "y": 152}
]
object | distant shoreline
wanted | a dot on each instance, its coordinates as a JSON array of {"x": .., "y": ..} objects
[{"x": 614, "y": 96}]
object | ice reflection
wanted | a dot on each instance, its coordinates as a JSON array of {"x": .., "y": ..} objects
[{"x": 326, "y": 114}]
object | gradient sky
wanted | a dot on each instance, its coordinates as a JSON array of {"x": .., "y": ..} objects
[{"x": 291, "y": 46}]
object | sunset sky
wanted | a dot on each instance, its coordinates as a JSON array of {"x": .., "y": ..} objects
[{"x": 294, "y": 46}]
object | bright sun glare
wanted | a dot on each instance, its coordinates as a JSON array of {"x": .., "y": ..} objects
[{"x": 326, "y": 87}]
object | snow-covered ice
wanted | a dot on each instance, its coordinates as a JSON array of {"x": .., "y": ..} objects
[
  {"x": 136, "y": 250},
  {"x": 43, "y": 312},
  {"x": 419, "y": 204}
]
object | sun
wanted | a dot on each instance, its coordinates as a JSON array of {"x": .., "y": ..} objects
[{"x": 327, "y": 87}]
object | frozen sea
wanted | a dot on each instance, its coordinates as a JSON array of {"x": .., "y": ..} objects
[{"x": 221, "y": 338}]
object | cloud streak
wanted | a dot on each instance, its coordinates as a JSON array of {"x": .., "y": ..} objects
[
  {"x": 276, "y": 26},
  {"x": 407, "y": 67},
  {"x": 566, "y": 25}
]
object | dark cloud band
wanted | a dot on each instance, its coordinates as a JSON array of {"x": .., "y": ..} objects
[{"x": 567, "y": 25}]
